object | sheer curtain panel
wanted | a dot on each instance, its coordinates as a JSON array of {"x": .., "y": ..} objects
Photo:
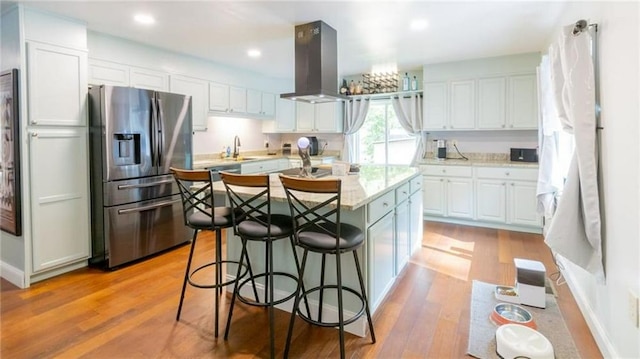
[
  {"x": 355, "y": 114},
  {"x": 409, "y": 113}
]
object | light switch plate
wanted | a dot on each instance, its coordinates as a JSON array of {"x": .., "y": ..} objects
[{"x": 634, "y": 304}]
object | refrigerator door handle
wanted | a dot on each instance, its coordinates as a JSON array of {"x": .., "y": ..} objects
[
  {"x": 146, "y": 208},
  {"x": 160, "y": 132},
  {"x": 143, "y": 185},
  {"x": 154, "y": 133}
]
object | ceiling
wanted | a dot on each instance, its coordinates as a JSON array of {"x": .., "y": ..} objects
[{"x": 370, "y": 33}]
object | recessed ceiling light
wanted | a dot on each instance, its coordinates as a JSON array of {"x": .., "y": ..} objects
[
  {"x": 255, "y": 53},
  {"x": 144, "y": 19},
  {"x": 419, "y": 24}
]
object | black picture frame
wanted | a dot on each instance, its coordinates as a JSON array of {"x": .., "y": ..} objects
[{"x": 10, "y": 190}]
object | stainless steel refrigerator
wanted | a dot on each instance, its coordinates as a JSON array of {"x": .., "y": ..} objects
[{"x": 136, "y": 135}]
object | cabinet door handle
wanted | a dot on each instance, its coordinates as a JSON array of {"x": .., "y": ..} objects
[
  {"x": 34, "y": 122},
  {"x": 404, "y": 192},
  {"x": 444, "y": 171},
  {"x": 34, "y": 134},
  {"x": 441, "y": 180},
  {"x": 385, "y": 204},
  {"x": 507, "y": 173},
  {"x": 503, "y": 183},
  {"x": 444, "y": 126},
  {"x": 503, "y": 126},
  {"x": 512, "y": 183}
]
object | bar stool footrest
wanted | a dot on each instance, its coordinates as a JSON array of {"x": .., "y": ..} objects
[
  {"x": 247, "y": 301},
  {"x": 355, "y": 317},
  {"x": 219, "y": 285}
]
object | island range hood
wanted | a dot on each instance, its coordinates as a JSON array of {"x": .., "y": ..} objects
[{"x": 316, "y": 64}]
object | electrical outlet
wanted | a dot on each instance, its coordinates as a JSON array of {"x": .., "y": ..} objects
[
  {"x": 454, "y": 142},
  {"x": 634, "y": 304},
  {"x": 266, "y": 144}
]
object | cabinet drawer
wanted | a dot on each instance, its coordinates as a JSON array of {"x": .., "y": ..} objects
[
  {"x": 457, "y": 171},
  {"x": 508, "y": 173},
  {"x": 415, "y": 184},
  {"x": 402, "y": 192},
  {"x": 380, "y": 206}
]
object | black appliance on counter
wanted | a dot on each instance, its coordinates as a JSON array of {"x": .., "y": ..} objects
[
  {"x": 524, "y": 154},
  {"x": 286, "y": 149},
  {"x": 313, "y": 145},
  {"x": 135, "y": 136}
]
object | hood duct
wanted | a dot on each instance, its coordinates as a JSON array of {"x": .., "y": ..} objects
[{"x": 316, "y": 64}]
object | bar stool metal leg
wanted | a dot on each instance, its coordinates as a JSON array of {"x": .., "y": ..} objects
[
  {"x": 321, "y": 303},
  {"x": 186, "y": 273},
  {"x": 364, "y": 295},
  {"x": 340, "y": 303},
  {"x": 296, "y": 303}
]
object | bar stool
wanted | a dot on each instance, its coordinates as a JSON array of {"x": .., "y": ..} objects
[
  {"x": 317, "y": 228},
  {"x": 200, "y": 213},
  {"x": 251, "y": 196}
]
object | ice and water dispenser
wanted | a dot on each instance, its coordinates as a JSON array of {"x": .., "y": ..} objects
[{"x": 126, "y": 149}]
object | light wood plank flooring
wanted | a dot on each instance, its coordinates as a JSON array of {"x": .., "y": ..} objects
[{"x": 130, "y": 312}]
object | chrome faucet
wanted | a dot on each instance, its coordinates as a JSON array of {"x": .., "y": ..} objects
[{"x": 236, "y": 146}]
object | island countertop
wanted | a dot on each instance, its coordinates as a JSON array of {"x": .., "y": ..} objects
[{"x": 357, "y": 189}]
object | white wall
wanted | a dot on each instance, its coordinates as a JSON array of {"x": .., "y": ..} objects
[{"x": 606, "y": 307}]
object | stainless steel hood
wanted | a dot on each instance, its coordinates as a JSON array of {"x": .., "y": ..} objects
[{"x": 316, "y": 64}]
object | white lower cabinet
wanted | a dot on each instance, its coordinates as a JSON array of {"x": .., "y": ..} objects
[
  {"x": 448, "y": 191},
  {"x": 59, "y": 192},
  {"x": 501, "y": 197},
  {"x": 416, "y": 219},
  {"x": 380, "y": 241},
  {"x": 403, "y": 233}
]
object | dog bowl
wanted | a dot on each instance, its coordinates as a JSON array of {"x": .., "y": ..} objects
[
  {"x": 507, "y": 313},
  {"x": 518, "y": 341}
]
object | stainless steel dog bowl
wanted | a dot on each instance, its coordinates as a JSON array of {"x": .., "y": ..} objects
[{"x": 507, "y": 313}]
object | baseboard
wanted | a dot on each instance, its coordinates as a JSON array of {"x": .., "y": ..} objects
[
  {"x": 329, "y": 312},
  {"x": 599, "y": 333},
  {"x": 13, "y": 275},
  {"x": 474, "y": 223}
]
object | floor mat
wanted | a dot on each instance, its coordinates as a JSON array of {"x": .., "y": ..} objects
[{"x": 482, "y": 332}]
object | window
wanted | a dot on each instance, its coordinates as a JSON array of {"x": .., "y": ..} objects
[{"x": 381, "y": 139}]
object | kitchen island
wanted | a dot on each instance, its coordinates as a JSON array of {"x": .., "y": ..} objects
[{"x": 386, "y": 203}]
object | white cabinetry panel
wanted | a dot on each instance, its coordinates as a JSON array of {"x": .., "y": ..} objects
[
  {"x": 198, "y": 90},
  {"x": 522, "y": 204},
  {"x": 380, "y": 242},
  {"x": 459, "y": 197},
  {"x": 237, "y": 99},
  {"x": 285, "y": 116},
  {"x": 463, "y": 107},
  {"x": 492, "y": 103},
  {"x": 490, "y": 200},
  {"x": 218, "y": 97},
  {"x": 268, "y": 104},
  {"x": 321, "y": 117},
  {"x": 434, "y": 195},
  {"x": 57, "y": 85},
  {"x": 59, "y": 196},
  {"x": 254, "y": 102},
  {"x": 403, "y": 233},
  {"x": 149, "y": 79},
  {"x": 108, "y": 73},
  {"x": 435, "y": 105},
  {"x": 523, "y": 113}
]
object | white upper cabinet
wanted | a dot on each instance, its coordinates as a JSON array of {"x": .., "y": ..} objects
[
  {"x": 57, "y": 85},
  {"x": 237, "y": 99},
  {"x": 321, "y": 117},
  {"x": 198, "y": 90},
  {"x": 108, "y": 73},
  {"x": 285, "y": 116},
  {"x": 492, "y": 93},
  {"x": 228, "y": 99},
  {"x": 149, "y": 79},
  {"x": 463, "y": 109},
  {"x": 261, "y": 103},
  {"x": 523, "y": 104},
  {"x": 435, "y": 105},
  {"x": 497, "y": 93},
  {"x": 218, "y": 97}
]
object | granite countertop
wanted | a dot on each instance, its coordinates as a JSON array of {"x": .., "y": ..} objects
[
  {"x": 211, "y": 161},
  {"x": 357, "y": 189},
  {"x": 478, "y": 163},
  {"x": 477, "y": 160}
]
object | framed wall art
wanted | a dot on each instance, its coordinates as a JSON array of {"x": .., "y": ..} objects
[{"x": 10, "y": 195}]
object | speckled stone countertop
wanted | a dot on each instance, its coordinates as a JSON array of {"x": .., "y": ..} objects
[
  {"x": 357, "y": 189},
  {"x": 478, "y": 160},
  {"x": 203, "y": 161}
]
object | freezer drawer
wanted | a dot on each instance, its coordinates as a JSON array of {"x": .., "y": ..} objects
[
  {"x": 139, "y": 189},
  {"x": 140, "y": 229}
]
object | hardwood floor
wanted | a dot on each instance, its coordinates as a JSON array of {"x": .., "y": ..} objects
[{"x": 130, "y": 312}]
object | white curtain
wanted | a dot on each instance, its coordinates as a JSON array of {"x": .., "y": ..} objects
[
  {"x": 550, "y": 172},
  {"x": 355, "y": 113},
  {"x": 409, "y": 114},
  {"x": 575, "y": 230}
]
